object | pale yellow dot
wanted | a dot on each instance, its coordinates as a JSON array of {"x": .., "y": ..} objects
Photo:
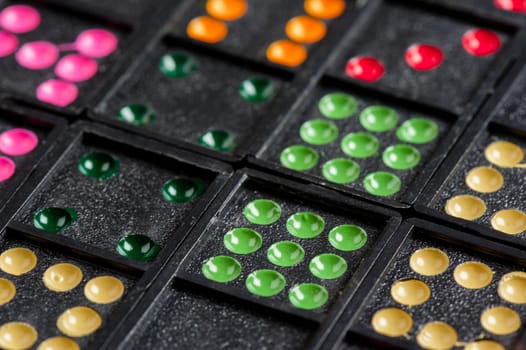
[
  {"x": 7, "y": 291},
  {"x": 17, "y": 261},
  {"x": 410, "y": 292},
  {"x": 429, "y": 261},
  {"x": 504, "y": 154},
  {"x": 484, "y": 179},
  {"x": 392, "y": 322},
  {"x": 437, "y": 336},
  {"x": 58, "y": 343},
  {"x": 500, "y": 320},
  {"x": 104, "y": 289},
  {"x": 62, "y": 277},
  {"x": 509, "y": 221},
  {"x": 473, "y": 275},
  {"x": 512, "y": 287},
  {"x": 465, "y": 207},
  {"x": 484, "y": 345},
  {"x": 17, "y": 336},
  {"x": 79, "y": 321}
]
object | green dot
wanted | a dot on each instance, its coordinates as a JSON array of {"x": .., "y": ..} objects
[
  {"x": 265, "y": 283},
  {"x": 308, "y": 296},
  {"x": 337, "y": 105},
  {"x": 54, "y": 219},
  {"x": 378, "y": 118},
  {"x": 262, "y": 212},
  {"x": 328, "y": 266},
  {"x": 258, "y": 90},
  {"x": 318, "y": 132},
  {"x": 341, "y": 170},
  {"x": 285, "y": 253},
  {"x": 347, "y": 237},
  {"x": 360, "y": 145},
  {"x": 182, "y": 190},
  {"x": 136, "y": 114},
  {"x": 299, "y": 157},
  {"x": 417, "y": 130},
  {"x": 382, "y": 183},
  {"x": 242, "y": 240},
  {"x": 177, "y": 65},
  {"x": 401, "y": 157},
  {"x": 221, "y": 269},
  {"x": 98, "y": 165},
  {"x": 138, "y": 247},
  {"x": 305, "y": 225},
  {"x": 220, "y": 140}
]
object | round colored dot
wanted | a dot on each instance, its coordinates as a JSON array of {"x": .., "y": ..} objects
[
  {"x": 76, "y": 68},
  {"x": 509, "y": 221},
  {"x": 286, "y": 53},
  {"x": 382, "y": 183},
  {"x": 98, "y": 165},
  {"x": 504, "y": 154},
  {"x": 360, "y": 145},
  {"x": 305, "y": 225},
  {"x": 19, "y": 18},
  {"x": 337, "y": 105},
  {"x": 54, "y": 219},
  {"x": 299, "y": 157},
  {"x": 465, "y": 207},
  {"x": 62, "y": 277},
  {"x": 8, "y": 43},
  {"x": 511, "y": 5},
  {"x": 417, "y": 130},
  {"x": 423, "y": 57},
  {"x": 242, "y": 240},
  {"x": 17, "y": 261},
  {"x": 96, "y": 43},
  {"x": 226, "y": 10},
  {"x": 104, "y": 289},
  {"x": 378, "y": 118},
  {"x": 347, "y": 237},
  {"x": 17, "y": 336},
  {"x": 221, "y": 269},
  {"x": 324, "y": 9},
  {"x": 328, "y": 266},
  {"x": 484, "y": 345},
  {"x": 265, "y": 283},
  {"x": 7, "y": 291},
  {"x": 219, "y": 140},
  {"x": 392, "y": 322},
  {"x": 401, "y": 157},
  {"x": 480, "y": 42},
  {"x": 484, "y": 179},
  {"x": 182, "y": 190},
  {"x": 437, "y": 336},
  {"x": 500, "y": 320},
  {"x": 341, "y": 170},
  {"x": 207, "y": 29},
  {"x": 512, "y": 287},
  {"x": 178, "y": 65},
  {"x": 79, "y": 321},
  {"x": 58, "y": 343},
  {"x": 285, "y": 253},
  {"x": 429, "y": 261},
  {"x": 37, "y": 55},
  {"x": 262, "y": 212},
  {"x": 473, "y": 275},
  {"x": 308, "y": 296},
  {"x": 17, "y": 142},
  {"x": 138, "y": 247},
  {"x": 137, "y": 114},
  {"x": 318, "y": 132},
  {"x": 258, "y": 90},
  {"x": 7, "y": 168},
  {"x": 410, "y": 292},
  {"x": 367, "y": 69},
  {"x": 305, "y": 29},
  {"x": 57, "y": 92}
]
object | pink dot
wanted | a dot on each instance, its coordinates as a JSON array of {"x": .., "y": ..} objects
[
  {"x": 76, "y": 68},
  {"x": 37, "y": 55},
  {"x": 368, "y": 69},
  {"x": 480, "y": 42},
  {"x": 423, "y": 57},
  {"x": 19, "y": 18},
  {"x": 7, "y": 168},
  {"x": 8, "y": 43},
  {"x": 16, "y": 142},
  {"x": 96, "y": 42},
  {"x": 511, "y": 5},
  {"x": 57, "y": 92}
]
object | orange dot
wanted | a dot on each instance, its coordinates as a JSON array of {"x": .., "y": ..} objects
[
  {"x": 207, "y": 29},
  {"x": 325, "y": 9},
  {"x": 286, "y": 53},
  {"x": 226, "y": 10},
  {"x": 304, "y": 29}
]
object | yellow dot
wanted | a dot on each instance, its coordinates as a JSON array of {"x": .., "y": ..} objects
[
  {"x": 226, "y": 10},
  {"x": 437, "y": 336},
  {"x": 473, "y": 275},
  {"x": 512, "y": 287},
  {"x": 500, "y": 320},
  {"x": 207, "y": 29},
  {"x": 7, "y": 291},
  {"x": 17, "y": 261},
  {"x": 58, "y": 343},
  {"x": 104, "y": 289},
  {"x": 465, "y": 207},
  {"x": 504, "y": 154},
  {"x": 429, "y": 261},
  {"x": 305, "y": 30},
  {"x": 79, "y": 321},
  {"x": 324, "y": 9},
  {"x": 410, "y": 292},
  {"x": 392, "y": 322},
  {"x": 509, "y": 221},
  {"x": 484, "y": 179},
  {"x": 286, "y": 53},
  {"x": 484, "y": 345},
  {"x": 62, "y": 277},
  {"x": 17, "y": 336}
]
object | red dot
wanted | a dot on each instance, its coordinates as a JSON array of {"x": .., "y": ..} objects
[
  {"x": 368, "y": 69},
  {"x": 511, "y": 5},
  {"x": 480, "y": 42},
  {"x": 423, "y": 57}
]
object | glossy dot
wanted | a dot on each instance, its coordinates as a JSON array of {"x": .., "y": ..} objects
[
  {"x": 76, "y": 68},
  {"x": 98, "y": 165},
  {"x": 178, "y": 65},
  {"x": 500, "y": 320},
  {"x": 410, "y": 292},
  {"x": 360, "y": 145},
  {"x": 437, "y": 336},
  {"x": 207, "y": 29},
  {"x": 318, "y": 132},
  {"x": 337, "y": 105},
  {"x": 54, "y": 220},
  {"x": 258, "y": 89},
  {"x": 504, "y": 154},
  {"x": 7, "y": 291},
  {"x": 7, "y": 168},
  {"x": 265, "y": 283},
  {"x": 465, "y": 207},
  {"x": 37, "y": 55},
  {"x": 62, "y": 277},
  {"x": 242, "y": 240},
  {"x": 226, "y": 10},
  {"x": 509, "y": 221},
  {"x": 285, "y": 253},
  {"x": 484, "y": 345},
  {"x": 378, "y": 118},
  {"x": 182, "y": 190},
  {"x": 57, "y": 92},
  {"x": 18, "y": 141},
  {"x": 382, "y": 183},
  {"x": 324, "y": 9},
  {"x": 308, "y": 296},
  {"x": 347, "y": 237},
  {"x": 341, "y": 170},
  {"x": 423, "y": 57},
  {"x": 58, "y": 343},
  {"x": 221, "y": 269},
  {"x": 96, "y": 43},
  {"x": 417, "y": 130},
  {"x": 79, "y": 321},
  {"x": 219, "y": 140},
  {"x": 17, "y": 336},
  {"x": 17, "y": 261},
  {"x": 19, "y": 18},
  {"x": 262, "y": 212},
  {"x": 401, "y": 157},
  {"x": 484, "y": 179},
  {"x": 328, "y": 266},
  {"x": 512, "y": 287},
  {"x": 511, "y": 5},
  {"x": 299, "y": 157},
  {"x": 305, "y": 225},
  {"x": 305, "y": 29},
  {"x": 138, "y": 247},
  {"x": 367, "y": 69},
  {"x": 392, "y": 322},
  {"x": 473, "y": 275},
  {"x": 8, "y": 43},
  {"x": 104, "y": 289},
  {"x": 137, "y": 114},
  {"x": 286, "y": 53},
  {"x": 429, "y": 261},
  {"x": 480, "y": 42}
]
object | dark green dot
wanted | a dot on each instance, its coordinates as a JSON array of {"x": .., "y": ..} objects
[
  {"x": 285, "y": 253},
  {"x": 347, "y": 237},
  {"x": 262, "y": 212},
  {"x": 140, "y": 115},
  {"x": 382, "y": 183},
  {"x": 98, "y": 165},
  {"x": 221, "y": 269},
  {"x": 401, "y": 157},
  {"x": 328, "y": 266},
  {"x": 360, "y": 145},
  {"x": 318, "y": 132},
  {"x": 182, "y": 190},
  {"x": 265, "y": 283},
  {"x": 177, "y": 65},
  {"x": 341, "y": 170},
  {"x": 138, "y": 247},
  {"x": 242, "y": 240},
  {"x": 417, "y": 130},
  {"x": 54, "y": 219},
  {"x": 378, "y": 118},
  {"x": 308, "y": 296},
  {"x": 337, "y": 105},
  {"x": 257, "y": 90},
  {"x": 299, "y": 157},
  {"x": 305, "y": 225},
  {"x": 220, "y": 140}
]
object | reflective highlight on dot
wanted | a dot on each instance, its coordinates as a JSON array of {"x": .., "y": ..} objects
[
  {"x": 347, "y": 237},
  {"x": 182, "y": 190},
  {"x": 286, "y": 53},
  {"x": 337, "y": 105},
  {"x": 98, "y": 165},
  {"x": 504, "y": 154},
  {"x": 484, "y": 345},
  {"x": 285, "y": 253},
  {"x": 79, "y": 321},
  {"x": 324, "y": 9},
  {"x": 512, "y": 287},
  {"x": 429, "y": 261},
  {"x": 242, "y": 240},
  {"x": 62, "y": 277},
  {"x": 138, "y": 247},
  {"x": 226, "y": 10},
  {"x": 341, "y": 170},
  {"x": 17, "y": 336},
  {"x": 308, "y": 296},
  {"x": 207, "y": 29},
  {"x": 305, "y": 225},
  {"x": 178, "y": 65},
  {"x": 437, "y": 336},
  {"x": 509, "y": 221},
  {"x": 368, "y": 69},
  {"x": 500, "y": 320},
  {"x": 360, "y": 145},
  {"x": 318, "y": 132},
  {"x": 392, "y": 322},
  {"x": 299, "y": 157},
  {"x": 382, "y": 183},
  {"x": 328, "y": 266},
  {"x": 484, "y": 179},
  {"x": 265, "y": 283},
  {"x": 418, "y": 131},
  {"x": 219, "y": 140},
  {"x": 258, "y": 89},
  {"x": 136, "y": 114},
  {"x": 401, "y": 157},
  {"x": 410, "y": 292},
  {"x": 17, "y": 261},
  {"x": 104, "y": 289},
  {"x": 58, "y": 343},
  {"x": 221, "y": 269},
  {"x": 473, "y": 275},
  {"x": 54, "y": 220},
  {"x": 7, "y": 291},
  {"x": 465, "y": 207},
  {"x": 305, "y": 29},
  {"x": 378, "y": 118},
  {"x": 262, "y": 212}
]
